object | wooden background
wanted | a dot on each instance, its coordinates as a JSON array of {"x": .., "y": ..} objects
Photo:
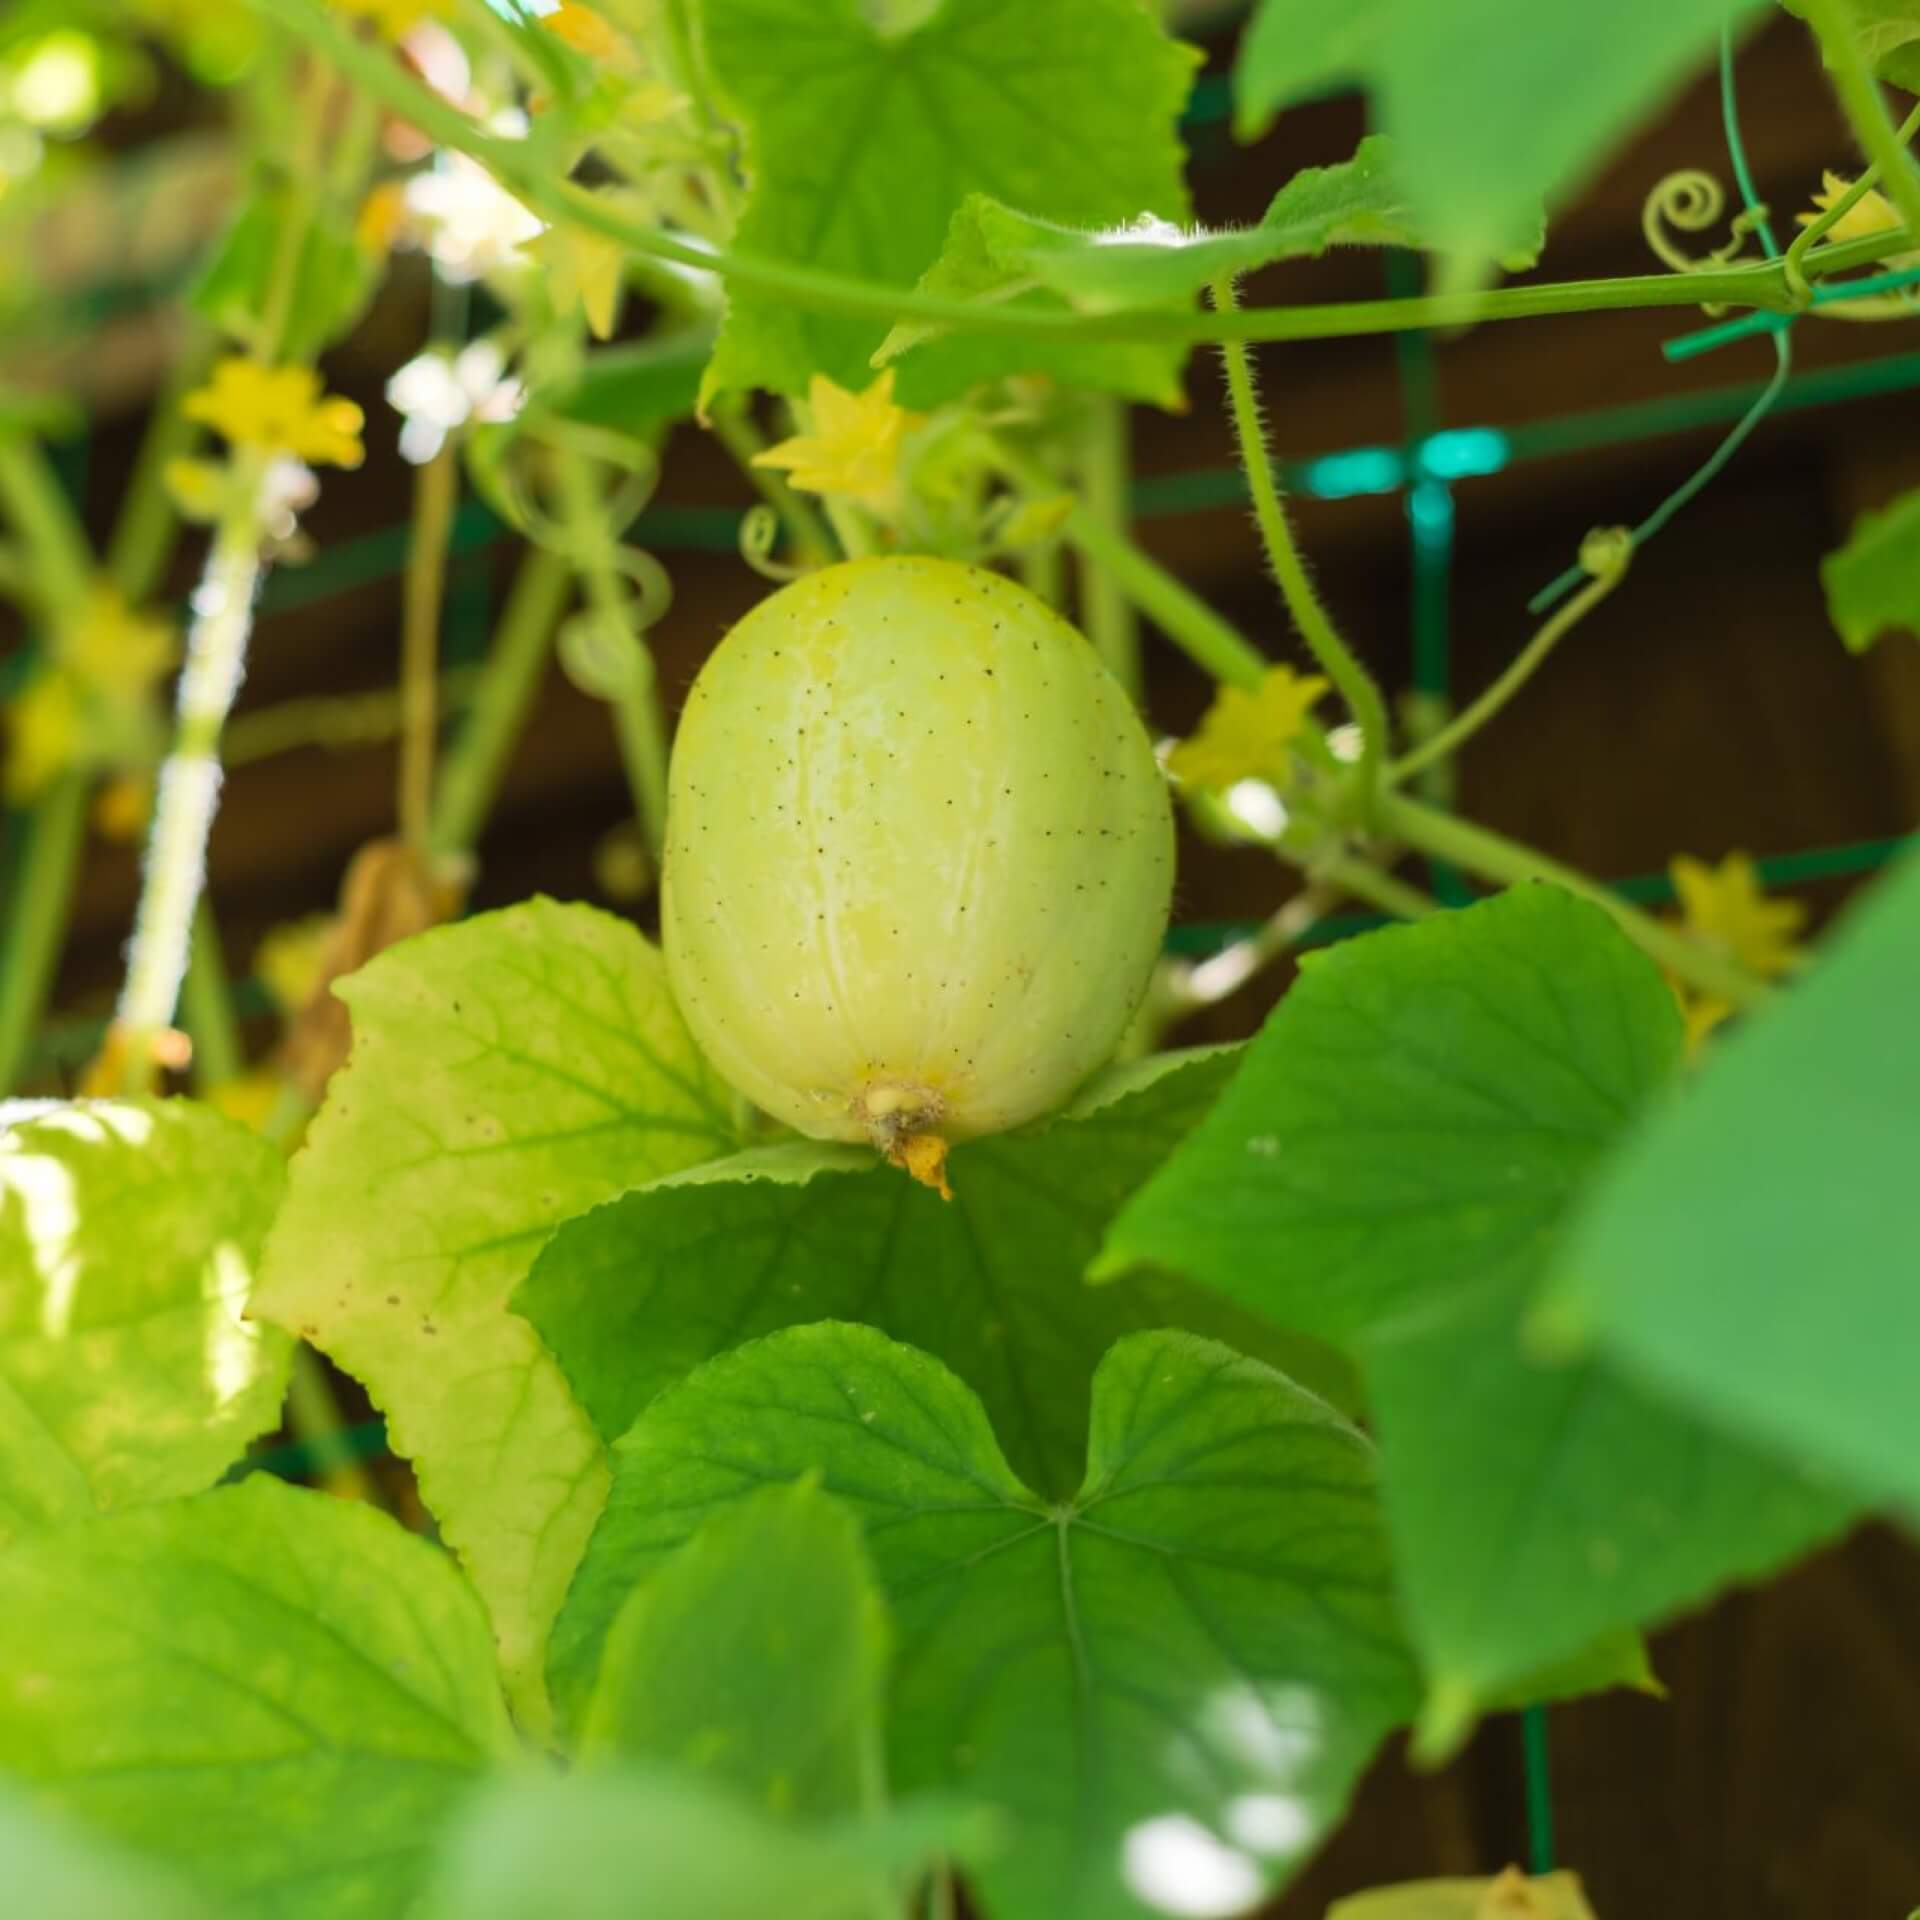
[{"x": 1707, "y": 706}]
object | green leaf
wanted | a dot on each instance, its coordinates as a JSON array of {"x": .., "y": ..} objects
[
  {"x": 618, "y": 1846},
  {"x": 1188, "y": 1661},
  {"x": 1295, "y": 48},
  {"x": 1889, "y": 35},
  {"x": 129, "y": 1234},
  {"x": 1873, "y": 582},
  {"x": 280, "y": 1694},
  {"x": 1393, "y": 1167},
  {"x": 1753, "y": 1248},
  {"x": 756, "y": 1656},
  {"x": 1415, "y": 1116},
  {"x": 53, "y": 1869},
  {"x": 1499, "y": 103},
  {"x": 334, "y": 280},
  {"x": 1535, "y": 1507},
  {"x": 637, "y": 1293},
  {"x": 506, "y": 1073},
  {"x": 867, "y": 128},
  {"x": 995, "y": 253}
]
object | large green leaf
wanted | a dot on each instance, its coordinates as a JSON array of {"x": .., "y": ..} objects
[
  {"x": 1293, "y": 48},
  {"x": 1754, "y": 1248},
  {"x": 280, "y": 1694},
  {"x": 506, "y": 1074},
  {"x": 1415, "y": 1117},
  {"x": 1176, "y": 1672},
  {"x": 1873, "y": 582},
  {"x": 129, "y": 1234},
  {"x": 1889, "y": 35},
  {"x": 1499, "y": 103},
  {"x": 868, "y": 125},
  {"x": 1394, "y": 1166},
  {"x": 53, "y": 1869},
  {"x": 646, "y": 1845},
  {"x": 756, "y": 1656},
  {"x": 1536, "y": 1508},
  {"x": 995, "y": 253},
  {"x": 633, "y": 1295}
]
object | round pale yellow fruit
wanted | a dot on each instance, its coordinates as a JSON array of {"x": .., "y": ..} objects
[{"x": 919, "y": 857}]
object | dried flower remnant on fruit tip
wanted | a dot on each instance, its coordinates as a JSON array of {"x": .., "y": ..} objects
[
  {"x": 853, "y": 448},
  {"x": 1725, "y": 908},
  {"x": 901, "y": 1120},
  {"x": 1249, "y": 736}
]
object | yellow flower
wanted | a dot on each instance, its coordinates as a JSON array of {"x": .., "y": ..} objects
[
  {"x": 1247, "y": 736},
  {"x": 280, "y": 410},
  {"x": 392, "y": 19},
  {"x": 1872, "y": 213},
  {"x": 113, "y": 650},
  {"x": 584, "y": 270},
  {"x": 854, "y": 448},
  {"x": 584, "y": 31},
  {"x": 43, "y": 734},
  {"x": 1724, "y": 907}
]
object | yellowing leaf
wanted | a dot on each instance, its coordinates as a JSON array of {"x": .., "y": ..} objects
[
  {"x": 854, "y": 447},
  {"x": 279, "y": 410},
  {"x": 1248, "y": 736},
  {"x": 1509, "y": 1896},
  {"x": 1724, "y": 907},
  {"x": 584, "y": 31}
]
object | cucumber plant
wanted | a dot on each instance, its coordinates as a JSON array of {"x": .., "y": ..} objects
[{"x": 883, "y": 1420}]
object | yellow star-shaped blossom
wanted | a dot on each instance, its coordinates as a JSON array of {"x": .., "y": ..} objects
[
  {"x": 43, "y": 734},
  {"x": 1725, "y": 908},
  {"x": 854, "y": 448},
  {"x": 1249, "y": 736},
  {"x": 281, "y": 411},
  {"x": 584, "y": 270},
  {"x": 392, "y": 19},
  {"x": 113, "y": 650},
  {"x": 1872, "y": 213}
]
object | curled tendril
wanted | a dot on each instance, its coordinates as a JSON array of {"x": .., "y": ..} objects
[
  {"x": 604, "y": 657},
  {"x": 1693, "y": 201},
  {"x": 759, "y": 535}
]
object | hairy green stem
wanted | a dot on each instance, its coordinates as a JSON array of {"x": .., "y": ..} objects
[
  {"x": 1465, "y": 724},
  {"x": 472, "y": 768},
  {"x": 1864, "y": 104},
  {"x": 1494, "y": 857},
  {"x": 206, "y": 1008},
  {"x": 1106, "y": 473},
  {"x": 189, "y": 786},
  {"x": 1757, "y": 284},
  {"x": 36, "y": 922},
  {"x": 1337, "y": 660},
  {"x": 1373, "y": 884}
]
